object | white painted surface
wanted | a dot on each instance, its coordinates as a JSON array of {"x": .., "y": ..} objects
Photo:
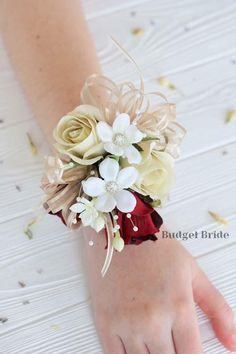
[{"x": 193, "y": 42}]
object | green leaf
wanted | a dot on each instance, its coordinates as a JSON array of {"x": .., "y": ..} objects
[
  {"x": 114, "y": 157},
  {"x": 147, "y": 199},
  {"x": 156, "y": 203}
]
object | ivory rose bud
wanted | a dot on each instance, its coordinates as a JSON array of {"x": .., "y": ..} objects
[
  {"x": 76, "y": 135},
  {"x": 156, "y": 171}
]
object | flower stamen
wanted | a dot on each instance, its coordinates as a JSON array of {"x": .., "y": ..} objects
[
  {"x": 111, "y": 187},
  {"x": 119, "y": 139}
]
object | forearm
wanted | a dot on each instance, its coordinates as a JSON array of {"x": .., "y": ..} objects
[{"x": 52, "y": 51}]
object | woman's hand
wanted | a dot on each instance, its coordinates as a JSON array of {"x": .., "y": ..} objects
[{"x": 146, "y": 301}]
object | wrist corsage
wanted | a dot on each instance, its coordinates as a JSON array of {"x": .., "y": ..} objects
[{"x": 114, "y": 164}]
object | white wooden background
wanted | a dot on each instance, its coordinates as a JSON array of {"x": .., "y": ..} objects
[{"x": 193, "y": 43}]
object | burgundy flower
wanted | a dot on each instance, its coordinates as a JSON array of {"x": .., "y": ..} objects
[
  {"x": 144, "y": 219},
  {"x": 142, "y": 225}
]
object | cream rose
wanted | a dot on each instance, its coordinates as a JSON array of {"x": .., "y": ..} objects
[
  {"x": 76, "y": 135},
  {"x": 156, "y": 171}
]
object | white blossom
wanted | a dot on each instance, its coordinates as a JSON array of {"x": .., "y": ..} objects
[
  {"x": 88, "y": 214},
  {"x": 110, "y": 190},
  {"x": 119, "y": 139}
]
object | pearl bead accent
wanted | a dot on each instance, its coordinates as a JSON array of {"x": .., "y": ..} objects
[
  {"x": 128, "y": 215},
  {"x": 135, "y": 228},
  {"x": 116, "y": 228},
  {"x": 91, "y": 243}
]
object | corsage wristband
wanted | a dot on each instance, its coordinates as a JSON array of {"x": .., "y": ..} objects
[{"x": 114, "y": 164}]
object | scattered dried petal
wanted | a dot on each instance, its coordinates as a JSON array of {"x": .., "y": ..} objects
[
  {"x": 230, "y": 117},
  {"x": 218, "y": 218},
  {"x": 22, "y": 284},
  {"x": 55, "y": 327},
  {"x": 137, "y": 31},
  {"x": 3, "y": 319},
  {"x": 164, "y": 81},
  {"x": 25, "y": 302},
  {"x": 27, "y": 231},
  {"x": 33, "y": 147}
]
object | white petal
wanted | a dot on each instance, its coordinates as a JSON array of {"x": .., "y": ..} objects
[
  {"x": 134, "y": 135},
  {"x": 121, "y": 123},
  {"x": 86, "y": 218},
  {"x": 85, "y": 201},
  {"x": 132, "y": 154},
  {"x": 93, "y": 186},
  {"x": 127, "y": 177},
  {"x": 105, "y": 203},
  {"x": 113, "y": 149},
  {"x": 77, "y": 208},
  {"x": 125, "y": 201},
  {"x": 109, "y": 169},
  {"x": 104, "y": 131},
  {"x": 98, "y": 223}
]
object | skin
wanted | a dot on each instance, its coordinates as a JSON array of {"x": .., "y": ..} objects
[{"x": 146, "y": 302}]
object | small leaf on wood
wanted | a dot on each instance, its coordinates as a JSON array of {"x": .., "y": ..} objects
[
  {"x": 28, "y": 231},
  {"x": 230, "y": 117},
  {"x": 218, "y": 218},
  {"x": 33, "y": 147},
  {"x": 22, "y": 284},
  {"x": 3, "y": 319},
  {"x": 137, "y": 31},
  {"x": 25, "y": 302},
  {"x": 55, "y": 327},
  {"x": 164, "y": 81}
]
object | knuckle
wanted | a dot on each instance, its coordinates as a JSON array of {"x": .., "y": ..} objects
[
  {"x": 151, "y": 314},
  {"x": 181, "y": 306}
]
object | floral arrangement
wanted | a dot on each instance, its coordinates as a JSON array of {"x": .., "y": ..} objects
[{"x": 114, "y": 164}]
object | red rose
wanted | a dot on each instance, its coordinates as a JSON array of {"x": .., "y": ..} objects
[{"x": 145, "y": 218}]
